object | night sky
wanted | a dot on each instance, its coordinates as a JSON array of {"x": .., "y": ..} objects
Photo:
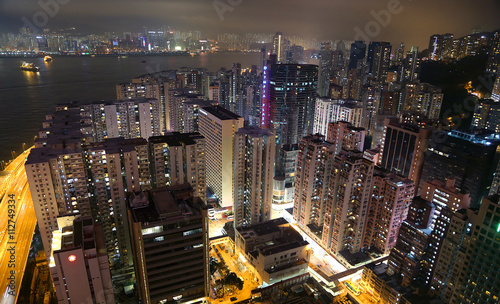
[{"x": 322, "y": 19}]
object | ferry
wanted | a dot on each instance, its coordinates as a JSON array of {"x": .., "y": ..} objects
[
  {"x": 47, "y": 58},
  {"x": 27, "y": 66}
]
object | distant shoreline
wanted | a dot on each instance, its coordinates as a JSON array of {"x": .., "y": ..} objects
[{"x": 131, "y": 54}]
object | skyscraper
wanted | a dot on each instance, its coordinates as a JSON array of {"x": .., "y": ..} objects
[
  {"x": 254, "y": 153},
  {"x": 439, "y": 46},
  {"x": 388, "y": 208},
  {"x": 494, "y": 54},
  {"x": 478, "y": 280},
  {"x": 469, "y": 158},
  {"x": 169, "y": 229},
  {"x": 179, "y": 158},
  {"x": 313, "y": 168},
  {"x": 487, "y": 115},
  {"x": 410, "y": 69},
  {"x": 147, "y": 86},
  {"x": 280, "y": 47},
  {"x": 452, "y": 255},
  {"x": 406, "y": 258},
  {"x": 346, "y": 208},
  {"x": 329, "y": 110},
  {"x": 219, "y": 126},
  {"x": 345, "y": 136},
  {"x": 378, "y": 59},
  {"x": 288, "y": 100},
  {"x": 403, "y": 148},
  {"x": 358, "y": 53}
]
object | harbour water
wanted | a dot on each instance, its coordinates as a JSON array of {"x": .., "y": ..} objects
[{"x": 26, "y": 97}]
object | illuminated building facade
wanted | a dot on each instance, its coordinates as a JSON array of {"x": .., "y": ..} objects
[
  {"x": 80, "y": 268},
  {"x": 254, "y": 153},
  {"x": 169, "y": 230},
  {"x": 288, "y": 100},
  {"x": 402, "y": 149},
  {"x": 219, "y": 126},
  {"x": 311, "y": 183},
  {"x": 478, "y": 280}
]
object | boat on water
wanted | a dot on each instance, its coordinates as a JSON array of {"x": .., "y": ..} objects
[
  {"x": 143, "y": 60},
  {"x": 28, "y": 66},
  {"x": 47, "y": 58}
]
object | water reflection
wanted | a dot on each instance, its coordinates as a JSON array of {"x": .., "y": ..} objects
[{"x": 32, "y": 78}]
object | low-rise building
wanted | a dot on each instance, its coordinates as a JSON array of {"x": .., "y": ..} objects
[{"x": 273, "y": 249}]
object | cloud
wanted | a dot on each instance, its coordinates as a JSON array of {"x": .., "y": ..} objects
[{"x": 323, "y": 19}]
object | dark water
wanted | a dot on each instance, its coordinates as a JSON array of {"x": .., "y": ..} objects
[{"x": 25, "y": 97}]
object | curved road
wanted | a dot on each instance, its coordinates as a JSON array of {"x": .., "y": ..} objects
[{"x": 15, "y": 196}]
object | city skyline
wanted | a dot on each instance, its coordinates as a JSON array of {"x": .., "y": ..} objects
[
  {"x": 309, "y": 160},
  {"x": 393, "y": 20}
]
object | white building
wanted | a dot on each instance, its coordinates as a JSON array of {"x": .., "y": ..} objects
[
  {"x": 219, "y": 126},
  {"x": 329, "y": 110}
]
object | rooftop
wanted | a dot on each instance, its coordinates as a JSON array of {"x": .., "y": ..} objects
[
  {"x": 261, "y": 229},
  {"x": 254, "y": 131},
  {"x": 176, "y": 139},
  {"x": 163, "y": 204},
  {"x": 221, "y": 113}
]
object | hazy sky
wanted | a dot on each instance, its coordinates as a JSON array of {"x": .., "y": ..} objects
[{"x": 413, "y": 23}]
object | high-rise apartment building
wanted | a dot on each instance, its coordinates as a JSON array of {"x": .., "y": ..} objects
[
  {"x": 402, "y": 149},
  {"x": 452, "y": 255},
  {"x": 58, "y": 185},
  {"x": 410, "y": 69},
  {"x": 169, "y": 229},
  {"x": 388, "y": 208},
  {"x": 183, "y": 108},
  {"x": 487, "y": 114},
  {"x": 254, "y": 154},
  {"x": 346, "y": 208},
  {"x": 422, "y": 98},
  {"x": 378, "y": 59},
  {"x": 345, "y": 136},
  {"x": 219, "y": 126},
  {"x": 147, "y": 86},
  {"x": 127, "y": 118},
  {"x": 358, "y": 53},
  {"x": 439, "y": 46},
  {"x": 115, "y": 167},
  {"x": 406, "y": 258},
  {"x": 478, "y": 280},
  {"x": 444, "y": 195},
  {"x": 179, "y": 158},
  {"x": 313, "y": 168},
  {"x": 329, "y": 110},
  {"x": 494, "y": 54}
]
